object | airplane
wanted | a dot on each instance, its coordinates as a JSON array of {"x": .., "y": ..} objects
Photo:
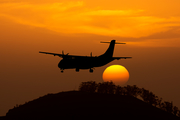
[{"x": 86, "y": 62}]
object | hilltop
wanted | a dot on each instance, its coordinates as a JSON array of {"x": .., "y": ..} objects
[{"x": 84, "y": 105}]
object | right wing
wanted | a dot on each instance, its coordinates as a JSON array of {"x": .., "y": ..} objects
[{"x": 121, "y": 57}]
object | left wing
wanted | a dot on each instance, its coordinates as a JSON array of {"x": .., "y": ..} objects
[
  {"x": 55, "y": 54},
  {"x": 121, "y": 58},
  {"x": 63, "y": 55}
]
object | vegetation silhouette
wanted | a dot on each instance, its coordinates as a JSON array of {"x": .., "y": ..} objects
[
  {"x": 134, "y": 91},
  {"x": 96, "y": 101}
]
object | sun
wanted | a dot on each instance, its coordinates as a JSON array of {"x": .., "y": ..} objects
[{"x": 118, "y": 74}]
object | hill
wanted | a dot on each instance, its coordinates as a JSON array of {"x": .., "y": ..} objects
[{"x": 82, "y": 105}]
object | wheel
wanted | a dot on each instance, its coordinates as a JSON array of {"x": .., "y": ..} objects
[
  {"x": 91, "y": 70},
  {"x": 77, "y": 70},
  {"x": 61, "y": 70}
]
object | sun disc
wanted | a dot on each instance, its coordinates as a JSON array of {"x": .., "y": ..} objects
[{"x": 117, "y": 74}]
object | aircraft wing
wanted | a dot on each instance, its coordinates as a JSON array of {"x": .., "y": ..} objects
[
  {"x": 62, "y": 55},
  {"x": 55, "y": 54},
  {"x": 121, "y": 58}
]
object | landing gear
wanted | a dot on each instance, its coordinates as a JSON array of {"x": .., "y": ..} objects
[
  {"x": 62, "y": 70},
  {"x": 91, "y": 70},
  {"x": 77, "y": 69}
]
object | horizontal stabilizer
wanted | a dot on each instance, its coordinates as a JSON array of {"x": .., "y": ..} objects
[{"x": 115, "y": 42}]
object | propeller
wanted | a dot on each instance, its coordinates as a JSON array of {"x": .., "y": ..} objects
[{"x": 63, "y": 53}]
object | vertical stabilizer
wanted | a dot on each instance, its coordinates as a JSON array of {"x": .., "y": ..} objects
[{"x": 110, "y": 50}]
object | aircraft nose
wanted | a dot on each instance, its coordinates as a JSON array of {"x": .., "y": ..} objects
[{"x": 60, "y": 65}]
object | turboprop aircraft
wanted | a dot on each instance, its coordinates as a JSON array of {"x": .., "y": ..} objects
[{"x": 86, "y": 62}]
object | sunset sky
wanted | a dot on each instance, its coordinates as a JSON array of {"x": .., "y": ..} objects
[{"x": 150, "y": 28}]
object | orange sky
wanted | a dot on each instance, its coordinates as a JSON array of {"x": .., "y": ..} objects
[
  {"x": 128, "y": 18},
  {"x": 150, "y": 28}
]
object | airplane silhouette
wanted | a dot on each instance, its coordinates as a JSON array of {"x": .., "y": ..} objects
[{"x": 87, "y": 62}]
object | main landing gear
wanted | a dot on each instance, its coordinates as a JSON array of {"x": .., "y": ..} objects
[
  {"x": 62, "y": 70},
  {"x": 77, "y": 69},
  {"x": 91, "y": 70}
]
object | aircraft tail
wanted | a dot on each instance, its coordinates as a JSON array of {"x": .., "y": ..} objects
[{"x": 110, "y": 50}]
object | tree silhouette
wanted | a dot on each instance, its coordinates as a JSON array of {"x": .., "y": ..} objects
[
  {"x": 88, "y": 87},
  {"x": 146, "y": 95},
  {"x": 178, "y": 113},
  {"x": 149, "y": 97},
  {"x": 159, "y": 102},
  {"x": 106, "y": 87},
  {"x": 119, "y": 90},
  {"x": 175, "y": 110},
  {"x": 132, "y": 90},
  {"x": 168, "y": 106}
]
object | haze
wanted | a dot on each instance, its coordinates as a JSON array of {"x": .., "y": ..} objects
[{"x": 151, "y": 30}]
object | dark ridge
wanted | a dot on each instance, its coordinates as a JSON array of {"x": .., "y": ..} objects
[
  {"x": 81, "y": 105},
  {"x": 2, "y": 117}
]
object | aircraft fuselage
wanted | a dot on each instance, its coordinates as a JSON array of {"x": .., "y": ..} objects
[{"x": 84, "y": 62}]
